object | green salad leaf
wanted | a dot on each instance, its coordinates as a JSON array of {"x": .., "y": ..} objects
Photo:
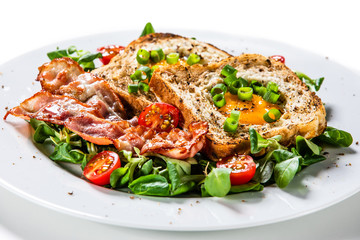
[
  {"x": 313, "y": 84},
  {"x": 84, "y": 58},
  {"x": 217, "y": 183},
  {"x": 336, "y": 137},
  {"x": 147, "y": 29}
]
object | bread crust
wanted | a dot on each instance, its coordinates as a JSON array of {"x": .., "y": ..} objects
[
  {"x": 118, "y": 71},
  {"x": 303, "y": 111}
]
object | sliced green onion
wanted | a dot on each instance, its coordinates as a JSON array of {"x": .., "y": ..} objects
[
  {"x": 218, "y": 88},
  {"x": 157, "y": 55},
  {"x": 230, "y": 125},
  {"x": 235, "y": 115},
  {"x": 228, "y": 70},
  {"x": 234, "y": 87},
  {"x": 245, "y": 93},
  {"x": 229, "y": 79},
  {"x": 272, "y": 115},
  {"x": 272, "y": 86},
  {"x": 243, "y": 82},
  {"x": 142, "y": 56},
  {"x": 254, "y": 83},
  {"x": 133, "y": 88},
  {"x": 271, "y": 97},
  {"x": 219, "y": 100},
  {"x": 138, "y": 75},
  {"x": 260, "y": 90},
  {"x": 172, "y": 58},
  {"x": 232, "y": 122},
  {"x": 193, "y": 59},
  {"x": 144, "y": 87},
  {"x": 146, "y": 70}
]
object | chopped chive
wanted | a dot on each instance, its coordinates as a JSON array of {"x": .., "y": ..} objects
[
  {"x": 133, "y": 88},
  {"x": 230, "y": 125},
  {"x": 144, "y": 87},
  {"x": 193, "y": 59},
  {"x": 219, "y": 100},
  {"x": 272, "y": 86},
  {"x": 228, "y": 70},
  {"x": 271, "y": 97},
  {"x": 138, "y": 75},
  {"x": 172, "y": 58},
  {"x": 259, "y": 90},
  {"x": 157, "y": 55},
  {"x": 234, "y": 87},
  {"x": 235, "y": 115},
  {"x": 245, "y": 93},
  {"x": 232, "y": 122},
  {"x": 229, "y": 79},
  {"x": 272, "y": 115},
  {"x": 218, "y": 88},
  {"x": 142, "y": 56}
]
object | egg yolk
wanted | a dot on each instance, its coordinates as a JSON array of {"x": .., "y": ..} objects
[{"x": 251, "y": 112}]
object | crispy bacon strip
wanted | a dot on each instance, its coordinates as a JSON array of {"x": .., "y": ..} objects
[
  {"x": 178, "y": 144},
  {"x": 88, "y": 123},
  {"x": 87, "y": 105},
  {"x": 51, "y": 108},
  {"x": 58, "y": 72},
  {"x": 64, "y": 76}
]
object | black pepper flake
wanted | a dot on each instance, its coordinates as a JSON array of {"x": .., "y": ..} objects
[
  {"x": 71, "y": 193},
  {"x": 2, "y": 86},
  {"x": 325, "y": 153},
  {"x": 357, "y": 143},
  {"x": 34, "y": 157},
  {"x": 341, "y": 154}
]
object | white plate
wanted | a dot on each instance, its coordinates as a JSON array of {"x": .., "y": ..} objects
[{"x": 25, "y": 170}]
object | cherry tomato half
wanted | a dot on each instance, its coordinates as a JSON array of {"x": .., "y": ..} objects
[
  {"x": 243, "y": 167},
  {"x": 109, "y": 52},
  {"x": 100, "y": 167},
  {"x": 160, "y": 116},
  {"x": 278, "y": 58}
]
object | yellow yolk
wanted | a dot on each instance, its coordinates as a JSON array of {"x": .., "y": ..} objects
[{"x": 251, "y": 112}]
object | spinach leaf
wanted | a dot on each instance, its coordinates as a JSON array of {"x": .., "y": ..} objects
[
  {"x": 183, "y": 188},
  {"x": 308, "y": 160},
  {"x": 154, "y": 185},
  {"x": 42, "y": 131},
  {"x": 285, "y": 171},
  {"x": 65, "y": 153},
  {"x": 313, "y": 84},
  {"x": 146, "y": 168},
  {"x": 147, "y": 29},
  {"x": 173, "y": 176},
  {"x": 204, "y": 193},
  {"x": 250, "y": 186},
  {"x": 336, "y": 137},
  {"x": 265, "y": 168},
  {"x": 306, "y": 147},
  {"x": 258, "y": 142},
  {"x": 280, "y": 155},
  {"x": 84, "y": 58},
  {"x": 217, "y": 183},
  {"x": 117, "y": 176}
]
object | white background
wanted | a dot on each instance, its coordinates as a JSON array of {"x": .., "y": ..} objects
[{"x": 328, "y": 28}]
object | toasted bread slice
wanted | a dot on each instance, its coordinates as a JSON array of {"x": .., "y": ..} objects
[
  {"x": 118, "y": 71},
  {"x": 188, "y": 88}
]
